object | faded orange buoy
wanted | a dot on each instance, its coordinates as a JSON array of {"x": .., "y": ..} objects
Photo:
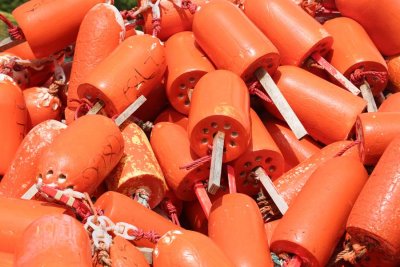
[
  {"x": 281, "y": 21},
  {"x": 138, "y": 74},
  {"x": 262, "y": 152},
  {"x": 391, "y": 104},
  {"x": 187, "y": 63},
  {"x": 220, "y": 108},
  {"x": 188, "y": 248},
  {"x": 50, "y": 26},
  {"x": 171, "y": 115},
  {"x": 232, "y": 41},
  {"x": 236, "y": 226},
  {"x": 138, "y": 173},
  {"x": 21, "y": 174},
  {"x": 359, "y": 60},
  {"x": 124, "y": 254},
  {"x": 82, "y": 155},
  {"x": 13, "y": 120},
  {"x": 54, "y": 240},
  {"x": 394, "y": 73},
  {"x": 375, "y": 131},
  {"x": 302, "y": 233}
]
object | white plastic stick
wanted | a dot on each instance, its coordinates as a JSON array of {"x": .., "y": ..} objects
[
  {"x": 367, "y": 95},
  {"x": 130, "y": 110},
  {"x": 214, "y": 182}
]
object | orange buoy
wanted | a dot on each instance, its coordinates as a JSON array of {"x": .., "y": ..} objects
[
  {"x": 379, "y": 19},
  {"x": 138, "y": 174},
  {"x": 195, "y": 217},
  {"x": 281, "y": 21},
  {"x": 172, "y": 149},
  {"x": 124, "y": 254},
  {"x": 393, "y": 64},
  {"x": 188, "y": 248},
  {"x": 215, "y": 108},
  {"x": 54, "y": 240},
  {"x": 375, "y": 131},
  {"x": 115, "y": 206},
  {"x": 317, "y": 109},
  {"x": 291, "y": 183},
  {"x": 236, "y": 226},
  {"x": 311, "y": 231},
  {"x": 42, "y": 104},
  {"x": 21, "y": 174},
  {"x": 171, "y": 115},
  {"x": 294, "y": 151},
  {"x": 22, "y": 50},
  {"x": 262, "y": 152},
  {"x": 50, "y": 26},
  {"x": 187, "y": 63},
  {"x": 138, "y": 74},
  {"x": 232, "y": 41},
  {"x": 358, "y": 61},
  {"x": 378, "y": 228},
  {"x": 82, "y": 155},
  {"x": 270, "y": 228},
  {"x": 101, "y": 31},
  {"x": 6, "y": 259},
  {"x": 391, "y": 104},
  {"x": 13, "y": 120},
  {"x": 18, "y": 214}
]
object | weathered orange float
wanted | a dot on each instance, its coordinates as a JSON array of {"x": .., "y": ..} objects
[
  {"x": 138, "y": 174},
  {"x": 54, "y": 240},
  {"x": 379, "y": 229},
  {"x": 391, "y": 104},
  {"x": 21, "y": 174},
  {"x": 82, "y": 155},
  {"x": 138, "y": 74},
  {"x": 187, "y": 63},
  {"x": 358, "y": 61},
  {"x": 236, "y": 226},
  {"x": 262, "y": 152},
  {"x": 188, "y": 248},
  {"x": 375, "y": 131},
  {"x": 124, "y": 254},
  {"x": 281, "y": 22},
  {"x": 380, "y": 23},
  {"x": 328, "y": 115},
  {"x": 302, "y": 233},
  {"x": 394, "y": 73},
  {"x": 50, "y": 26},
  {"x": 101, "y": 31},
  {"x": 232, "y": 41},
  {"x": 217, "y": 108},
  {"x": 13, "y": 120}
]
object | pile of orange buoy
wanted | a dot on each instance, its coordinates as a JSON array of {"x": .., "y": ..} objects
[{"x": 200, "y": 133}]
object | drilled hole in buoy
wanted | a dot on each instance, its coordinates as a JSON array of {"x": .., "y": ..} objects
[
  {"x": 214, "y": 125},
  {"x": 205, "y": 131},
  {"x": 192, "y": 79},
  {"x": 62, "y": 178},
  {"x": 227, "y": 126},
  {"x": 182, "y": 86},
  {"x": 242, "y": 174},
  {"x": 270, "y": 66},
  {"x": 247, "y": 164},
  {"x": 232, "y": 143},
  {"x": 258, "y": 159},
  {"x": 204, "y": 141},
  {"x": 187, "y": 102},
  {"x": 234, "y": 134},
  {"x": 272, "y": 168},
  {"x": 268, "y": 160},
  {"x": 49, "y": 174},
  {"x": 180, "y": 95}
]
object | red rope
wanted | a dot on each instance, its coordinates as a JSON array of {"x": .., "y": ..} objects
[
  {"x": 83, "y": 108},
  {"x": 15, "y": 32},
  {"x": 189, "y": 5},
  {"x": 152, "y": 236},
  {"x": 170, "y": 208},
  {"x": 196, "y": 163},
  {"x": 359, "y": 75},
  {"x": 254, "y": 89},
  {"x": 344, "y": 150},
  {"x": 156, "y": 26}
]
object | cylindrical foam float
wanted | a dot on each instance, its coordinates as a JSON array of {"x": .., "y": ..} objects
[
  {"x": 270, "y": 228},
  {"x": 236, "y": 226},
  {"x": 186, "y": 65},
  {"x": 375, "y": 131},
  {"x": 82, "y": 155},
  {"x": 374, "y": 220},
  {"x": 195, "y": 217},
  {"x": 220, "y": 108},
  {"x": 138, "y": 66},
  {"x": 172, "y": 149},
  {"x": 291, "y": 183},
  {"x": 232, "y": 41},
  {"x": 13, "y": 120},
  {"x": 124, "y": 254},
  {"x": 262, "y": 152},
  {"x": 115, "y": 206},
  {"x": 350, "y": 57},
  {"x": 394, "y": 73},
  {"x": 54, "y": 240},
  {"x": 171, "y": 115},
  {"x": 282, "y": 21},
  {"x": 313, "y": 235},
  {"x": 21, "y": 174},
  {"x": 391, "y": 104},
  {"x": 188, "y": 248},
  {"x": 19, "y": 214},
  {"x": 327, "y": 111},
  {"x": 138, "y": 169},
  {"x": 101, "y": 31},
  {"x": 379, "y": 19},
  {"x": 294, "y": 151},
  {"x": 156, "y": 101},
  {"x": 50, "y": 26}
]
